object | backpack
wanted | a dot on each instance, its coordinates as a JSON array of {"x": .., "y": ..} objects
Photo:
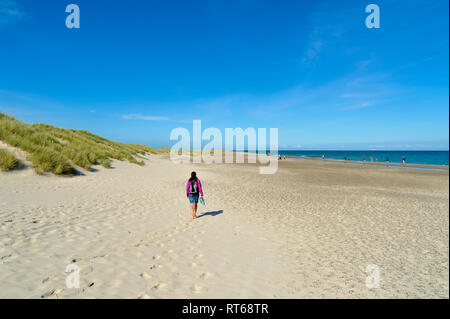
[{"x": 193, "y": 187}]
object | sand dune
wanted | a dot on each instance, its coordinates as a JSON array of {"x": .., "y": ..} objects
[{"x": 309, "y": 230}]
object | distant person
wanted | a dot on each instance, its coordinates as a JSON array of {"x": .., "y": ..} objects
[
  {"x": 404, "y": 160},
  {"x": 284, "y": 157},
  {"x": 323, "y": 156},
  {"x": 371, "y": 158},
  {"x": 345, "y": 158},
  {"x": 279, "y": 157},
  {"x": 387, "y": 161},
  {"x": 193, "y": 190},
  {"x": 364, "y": 158}
]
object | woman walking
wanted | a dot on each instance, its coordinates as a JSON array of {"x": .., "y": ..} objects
[{"x": 193, "y": 190}]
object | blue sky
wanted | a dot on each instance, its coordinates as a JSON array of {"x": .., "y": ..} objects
[{"x": 137, "y": 69}]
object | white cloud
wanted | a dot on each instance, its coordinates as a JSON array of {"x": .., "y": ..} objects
[
  {"x": 144, "y": 117},
  {"x": 361, "y": 105},
  {"x": 327, "y": 28},
  {"x": 10, "y": 12},
  {"x": 364, "y": 64},
  {"x": 313, "y": 51}
]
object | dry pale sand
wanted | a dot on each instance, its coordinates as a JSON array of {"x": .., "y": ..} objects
[{"x": 309, "y": 230}]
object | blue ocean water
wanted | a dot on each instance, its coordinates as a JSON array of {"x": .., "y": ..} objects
[{"x": 412, "y": 157}]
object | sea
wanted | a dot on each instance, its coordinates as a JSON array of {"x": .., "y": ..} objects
[{"x": 412, "y": 157}]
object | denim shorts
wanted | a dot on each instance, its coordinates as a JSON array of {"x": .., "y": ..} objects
[{"x": 193, "y": 198}]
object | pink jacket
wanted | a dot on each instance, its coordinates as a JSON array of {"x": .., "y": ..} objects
[{"x": 199, "y": 185}]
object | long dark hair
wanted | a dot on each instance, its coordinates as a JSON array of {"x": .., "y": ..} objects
[{"x": 193, "y": 177}]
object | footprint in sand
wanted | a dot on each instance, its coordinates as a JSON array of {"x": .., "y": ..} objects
[
  {"x": 144, "y": 296},
  {"x": 100, "y": 256},
  {"x": 206, "y": 275},
  {"x": 159, "y": 286},
  {"x": 48, "y": 279},
  {"x": 197, "y": 289},
  {"x": 145, "y": 275},
  {"x": 4, "y": 258},
  {"x": 88, "y": 269},
  {"x": 156, "y": 266},
  {"x": 51, "y": 292}
]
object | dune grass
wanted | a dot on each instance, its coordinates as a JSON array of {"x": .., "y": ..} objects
[
  {"x": 57, "y": 150},
  {"x": 8, "y": 161}
]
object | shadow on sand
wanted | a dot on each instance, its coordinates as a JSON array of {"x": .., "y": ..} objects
[{"x": 215, "y": 213}]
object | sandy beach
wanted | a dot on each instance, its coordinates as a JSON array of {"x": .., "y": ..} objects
[{"x": 308, "y": 231}]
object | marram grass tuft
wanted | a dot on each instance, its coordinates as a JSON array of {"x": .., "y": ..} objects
[
  {"x": 8, "y": 161},
  {"x": 58, "y": 150}
]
